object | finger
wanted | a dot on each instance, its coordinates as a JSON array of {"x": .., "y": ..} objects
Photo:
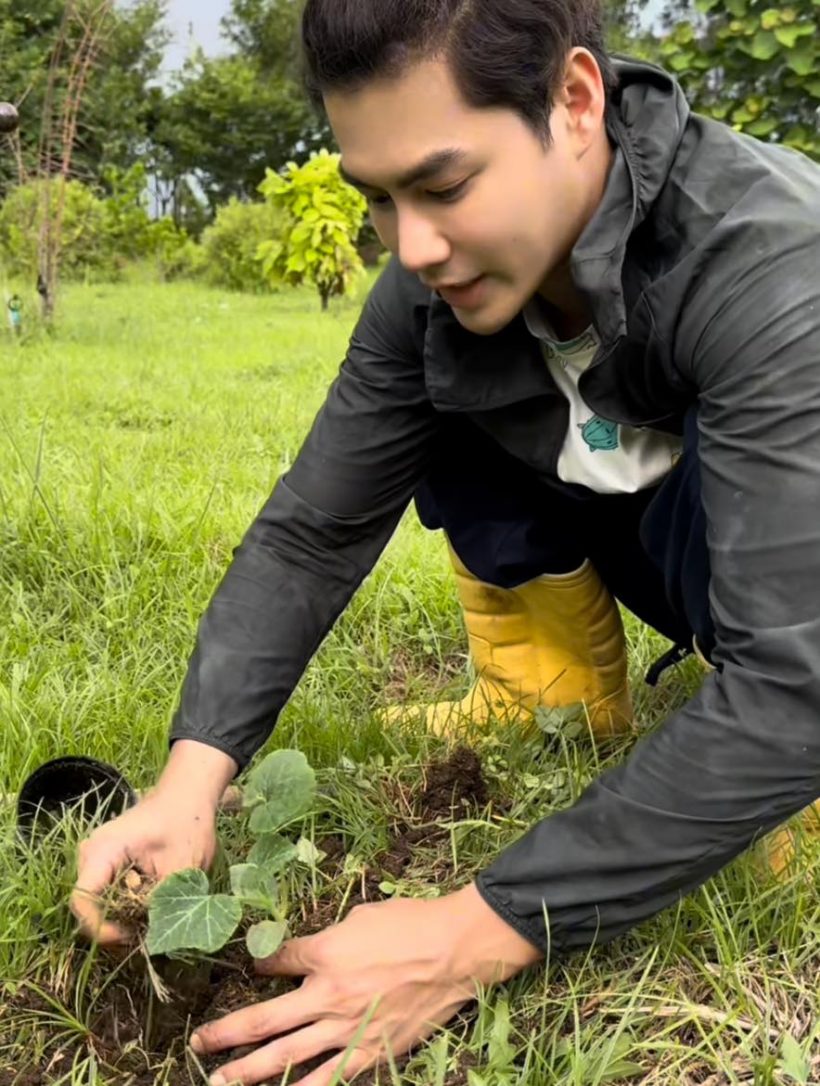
[
  {"x": 295, "y": 958},
  {"x": 351, "y": 1064},
  {"x": 259, "y": 1022},
  {"x": 271, "y": 1061},
  {"x": 94, "y": 876}
]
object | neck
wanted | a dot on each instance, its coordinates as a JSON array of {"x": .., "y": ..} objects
[{"x": 568, "y": 311}]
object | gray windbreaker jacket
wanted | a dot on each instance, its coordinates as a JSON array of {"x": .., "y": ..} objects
[{"x": 702, "y": 271}]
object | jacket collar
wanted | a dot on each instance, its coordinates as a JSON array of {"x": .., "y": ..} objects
[{"x": 645, "y": 120}]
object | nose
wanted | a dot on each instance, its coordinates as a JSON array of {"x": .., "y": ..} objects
[{"x": 421, "y": 245}]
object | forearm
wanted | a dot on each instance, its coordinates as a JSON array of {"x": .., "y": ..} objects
[
  {"x": 293, "y": 575},
  {"x": 735, "y": 762}
]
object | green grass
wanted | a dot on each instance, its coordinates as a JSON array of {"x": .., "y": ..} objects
[{"x": 137, "y": 442}]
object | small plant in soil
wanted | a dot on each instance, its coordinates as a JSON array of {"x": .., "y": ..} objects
[{"x": 184, "y": 915}]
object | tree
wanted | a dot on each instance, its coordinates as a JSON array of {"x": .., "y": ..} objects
[
  {"x": 753, "y": 65},
  {"x": 266, "y": 31},
  {"x": 625, "y": 32},
  {"x": 326, "y": 216},
  {"x": 229, "y": 118},
  {"x": 118, "y": 104},
  {"x": 83, "y": 27},
  {"x": 225, "y": 123}
]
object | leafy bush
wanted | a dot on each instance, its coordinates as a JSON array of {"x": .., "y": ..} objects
[
  {"x": 177, "y": 256},
  {"x": 84, "y": 229},
  {"x": 230, "y": 246},
  {"x": 325, "y": 217},
  {"x": 753, "y": 64},
  {"x": 128, "y": 226},
  {"x": 99, "y": 236}
]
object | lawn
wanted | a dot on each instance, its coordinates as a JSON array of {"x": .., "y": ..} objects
[{"x": 137, "y": 441}]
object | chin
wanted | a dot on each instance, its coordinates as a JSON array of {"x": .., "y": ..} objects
[{"x": 486, "y": 320}]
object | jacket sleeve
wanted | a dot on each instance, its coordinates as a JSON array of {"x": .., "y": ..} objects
[
  {"x": 744, "y": 753},
  {"x": 319, "y": 534}
]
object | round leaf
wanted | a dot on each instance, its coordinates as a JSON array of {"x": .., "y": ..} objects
[
  {"x": 286, "y": 784},
  {"x": 764, "y": 45},
  {"x": 265, "y": 939}
]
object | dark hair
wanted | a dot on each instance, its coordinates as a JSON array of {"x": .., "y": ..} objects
[{"x": 503, "y": 53}]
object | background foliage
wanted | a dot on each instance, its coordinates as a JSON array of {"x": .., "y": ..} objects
[{"x": 192, "y": 173}]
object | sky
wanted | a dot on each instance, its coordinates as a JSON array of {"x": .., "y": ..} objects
[{"x": 203, "y": 16}]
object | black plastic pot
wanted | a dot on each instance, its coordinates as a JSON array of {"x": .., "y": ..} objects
[{"x": 90, "y": 789}]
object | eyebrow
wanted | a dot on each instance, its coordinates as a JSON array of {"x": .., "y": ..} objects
[{"x": 429, "y": 167}]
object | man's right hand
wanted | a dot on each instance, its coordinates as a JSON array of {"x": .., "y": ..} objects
[{"x": 172, "y": 828}]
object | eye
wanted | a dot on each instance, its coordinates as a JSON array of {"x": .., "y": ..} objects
[
  {"x": 379, "y": 201},
  {"x": 449, "y": 196}
]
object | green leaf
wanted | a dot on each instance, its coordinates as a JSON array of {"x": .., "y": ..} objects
[
  {"x": 307, "y": 853},
  {"x": 764, "y": 45},
  {"x": 793, "y": 1062},
  {"x": 265, "y": 939},
  {"x": 790, "y": 35},
  {"x": 763, "y": 126},
  {"x": 183, "y": 915},
  {"x": 802, "y": 60},
  {"x": 273, "y": 853},
  {"x": 770, "y": 19},
  {"x": 736, "y": 7},
  {"x": 284, "y": 781},
  {"x": 267, "y": 778},
  {"x": 499, "y": 1049},
  {"x": 254, "y": 886},
  {"x": 741, "y": 116}
]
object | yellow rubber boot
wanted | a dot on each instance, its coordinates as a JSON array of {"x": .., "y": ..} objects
[
  {"x": 780, "y": 847},
  {"x": 556, "y": 642}
]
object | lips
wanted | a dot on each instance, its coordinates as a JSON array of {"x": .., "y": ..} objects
[{"x": 463, "y": 296}]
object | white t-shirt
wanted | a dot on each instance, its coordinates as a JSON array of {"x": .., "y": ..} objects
[{"x": 597, "y": 453}]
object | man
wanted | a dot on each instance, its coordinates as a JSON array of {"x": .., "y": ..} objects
[{"x": 595, "y": 361}]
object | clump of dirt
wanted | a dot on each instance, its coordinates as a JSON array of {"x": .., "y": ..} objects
[
  {"x": 456, "y": 783},
  {"x": 127, "y": 903},
  {"x": 135, "y": 1033}
]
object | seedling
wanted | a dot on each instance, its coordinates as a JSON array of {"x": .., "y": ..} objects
[{"x": 184, "y": 915}]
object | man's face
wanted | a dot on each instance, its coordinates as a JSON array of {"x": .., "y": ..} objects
[{"x": 491, "y": 212}]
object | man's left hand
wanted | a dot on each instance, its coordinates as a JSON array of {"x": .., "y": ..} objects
[{"x": 384, "y": 979}]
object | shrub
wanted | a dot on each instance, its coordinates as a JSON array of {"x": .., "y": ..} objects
[
  {"x": 230, "y": 245},
  {"x": 84, "y": 243},
  {"x": 325, "y": 217},
  {"x": 177, "y": 256}
]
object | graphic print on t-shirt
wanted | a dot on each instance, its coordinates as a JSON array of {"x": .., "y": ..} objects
[
  {"x": 607, "y": 457},
  {"x": 600, "y": 434}
]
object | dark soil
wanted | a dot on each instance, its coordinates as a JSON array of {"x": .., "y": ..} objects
[{"x": 135, "y": 1034}]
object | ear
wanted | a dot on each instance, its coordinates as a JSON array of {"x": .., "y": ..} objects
[{"x": 583, "y": 97}]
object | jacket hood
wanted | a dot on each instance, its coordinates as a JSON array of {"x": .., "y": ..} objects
[{"x": 646, "y": 120}]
